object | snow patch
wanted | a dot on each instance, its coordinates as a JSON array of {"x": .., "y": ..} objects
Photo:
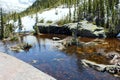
[
  {"x": 53, "y": 15},
  {"x": 27, "y": 23}
]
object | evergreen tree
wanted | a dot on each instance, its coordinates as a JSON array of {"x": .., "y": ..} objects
[
  {"x": 89, "y": 6},
  {"x": 19, "y": 24},
  {"x": 35, "y": 26},
  {"x": 2, "y": 24}
]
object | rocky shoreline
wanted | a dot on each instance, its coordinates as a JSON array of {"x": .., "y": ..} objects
[
  {"x": 112, "y": 69},
  {"x": 113, "y": 57},
  {"x": 82, "y": 29}
]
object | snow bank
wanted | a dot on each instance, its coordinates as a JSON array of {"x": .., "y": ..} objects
[{"x": 53, "y": 15}]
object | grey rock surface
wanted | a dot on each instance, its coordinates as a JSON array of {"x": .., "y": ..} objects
[{"x": 14, "y": 69}]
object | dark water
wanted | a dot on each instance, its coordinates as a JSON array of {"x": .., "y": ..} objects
[{"x": 63, "y": 65}]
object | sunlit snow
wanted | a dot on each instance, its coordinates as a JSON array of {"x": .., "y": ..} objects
[{"x": 49, "y": 15}]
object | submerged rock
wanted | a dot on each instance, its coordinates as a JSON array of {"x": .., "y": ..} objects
[
  {"x": 21, "y": 47},
  {"x": 34, "y": 61},
  {"x": 26, "y": 46},
  {"x": 56, "y": 38},
  {"x": 98, "y": 67},
  {"x": 16, "y": 48},
  {"x": 112, "y": 54},
  {"x": 112, "y": 69}
]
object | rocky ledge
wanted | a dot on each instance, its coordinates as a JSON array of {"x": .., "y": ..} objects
[{"x": 83, "y": 29}]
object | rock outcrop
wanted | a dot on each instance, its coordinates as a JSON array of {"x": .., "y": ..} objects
[
  {"x": 86, "y": 29},
  {"x": 83, "y": 29}
]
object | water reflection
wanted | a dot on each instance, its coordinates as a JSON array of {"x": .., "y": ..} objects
[{"x": 63, "y": 65}]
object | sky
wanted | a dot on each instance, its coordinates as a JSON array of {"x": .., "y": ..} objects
[
  {"x": 18, "y": 1},
  {"x": 15, "y": 5},
  {"x": 26, "y": 1}
]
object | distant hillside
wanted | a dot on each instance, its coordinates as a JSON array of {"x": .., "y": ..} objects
[{"x": 39, "y": 5}]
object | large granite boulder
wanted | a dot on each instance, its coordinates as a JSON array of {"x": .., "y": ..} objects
[
  {"x": 53, "y": 29},
  {"x": 86, "y": 29},
  {"x": 83, "y": 29}
]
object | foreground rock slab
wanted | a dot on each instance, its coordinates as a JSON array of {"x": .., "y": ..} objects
[{"x": 14, "y": 69}]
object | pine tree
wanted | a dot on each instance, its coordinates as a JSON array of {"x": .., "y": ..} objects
[
  {"x": 2, "y": 24},
  {"x": 19, "y": 24},
  {"x": 102, "y": 12},
  {"x": 69, "y": 6},
  {"x": 35, "y": 26},
  {"x": 89, "y": 6}
]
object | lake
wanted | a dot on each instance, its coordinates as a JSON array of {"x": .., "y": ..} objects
[{"x": 61, "y": 64}]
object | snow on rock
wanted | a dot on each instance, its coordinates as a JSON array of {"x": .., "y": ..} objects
[
  {"x": 88, "y": 26},
  {"x": 85, "y": 25}
]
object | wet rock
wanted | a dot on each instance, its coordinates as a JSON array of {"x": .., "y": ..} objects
[
  {"x": 16, "y": 49},
  {"x": 115, "y": 60},
  {"x": 101, "y": 52},
  {"x": 118, "y": 50},
  {"x": 112, "y": 54},
  {"x": 71, "y": 41},
  {"x": 68, "y": 41},
  {"x": 90, "y": 44},
  {"x": 34, "y": 61},
  {"x": 56, "y": 38},
  {"x": 60, "y": 47},
  {"x": 21, "y": 47},
  {"x": 112, "y": 69},
  {"x": 99, "y": 41},
  {"x": 26, "y": 46},
  {"x": 98, "y": 67}
]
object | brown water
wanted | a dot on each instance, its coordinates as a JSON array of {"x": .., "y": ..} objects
[{"x": 63, "y": 64}]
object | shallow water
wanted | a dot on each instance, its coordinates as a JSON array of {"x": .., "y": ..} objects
[{"x": 61, "y": 64}]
